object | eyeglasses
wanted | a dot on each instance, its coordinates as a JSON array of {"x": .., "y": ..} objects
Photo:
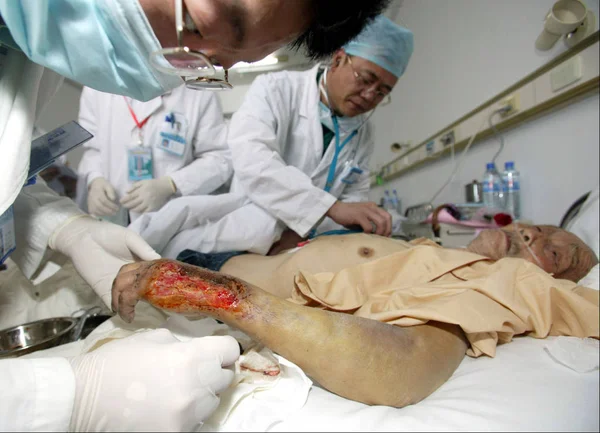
[
  {"x": 368, "y": 85},
  {"x": 193, "y": 66}
]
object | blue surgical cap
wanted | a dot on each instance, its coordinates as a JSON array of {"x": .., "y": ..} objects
[{"x": 384, "y": 43}]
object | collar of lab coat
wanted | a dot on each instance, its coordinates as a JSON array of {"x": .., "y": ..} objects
[
  {"x": 312, "y": 95},
  {"x": 310, "y": 99}
]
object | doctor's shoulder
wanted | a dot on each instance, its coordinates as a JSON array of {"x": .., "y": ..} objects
[{"x": 283, "y": 88}]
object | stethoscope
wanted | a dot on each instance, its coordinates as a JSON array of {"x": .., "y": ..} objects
[
  {"x": 336, "y": 129},
  {"x": 338, "y": 148}
]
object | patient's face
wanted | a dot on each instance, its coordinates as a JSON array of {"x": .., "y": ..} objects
[{"x": 555, "y": 250}]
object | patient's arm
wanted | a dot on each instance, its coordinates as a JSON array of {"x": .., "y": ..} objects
[{"x": 357, "y": 358}]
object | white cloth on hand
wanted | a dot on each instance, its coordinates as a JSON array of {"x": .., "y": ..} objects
[
  {"x": 151, "y": 381},
  {"x": 252, "y": 402}
]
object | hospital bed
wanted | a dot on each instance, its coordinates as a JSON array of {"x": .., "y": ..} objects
[{"x": 527, "y": 386}]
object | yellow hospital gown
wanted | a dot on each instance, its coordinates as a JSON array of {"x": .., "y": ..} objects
[{"x": 490, "y": 301}]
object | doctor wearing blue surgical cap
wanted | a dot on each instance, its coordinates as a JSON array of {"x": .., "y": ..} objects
[
  {"x": 138, "y": 48},
  {"x": 301, "y": 141}
]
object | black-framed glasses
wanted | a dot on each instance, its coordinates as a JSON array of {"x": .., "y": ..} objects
[
  {"x": 368, "y": 85},
  {"x": 193, "y": 66}
]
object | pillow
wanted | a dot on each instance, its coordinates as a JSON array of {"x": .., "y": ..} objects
[
  {"x": 592, "y": 279},
  {"x": 585, "y": 224}
]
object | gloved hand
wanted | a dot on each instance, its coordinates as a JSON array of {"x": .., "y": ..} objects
[
  {"x": 98, "y": 249},
  {"x": 151, "y": 381},
  {"x": 149, "y": 195},
  {"x": 102, "y": 198}
]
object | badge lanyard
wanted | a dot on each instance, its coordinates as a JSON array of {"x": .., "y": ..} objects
[
  {"x": 139, "y": 124},
  {"x": 140, "y": 166},
  {"x": 338, "y": 149},
  {"x": 336, "y": 127}
]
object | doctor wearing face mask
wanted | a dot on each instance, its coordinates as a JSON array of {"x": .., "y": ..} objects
[
  {"x": 118, "y": 46},
  {"x": 300, "y": 145}
]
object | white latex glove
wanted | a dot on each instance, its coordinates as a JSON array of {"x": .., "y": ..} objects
[
  {"x": 149, "y": 195},
  {"x": 102, "y": 198},
  {"x": 151, "y": 381},
  {"x": 98, "y": 249}
]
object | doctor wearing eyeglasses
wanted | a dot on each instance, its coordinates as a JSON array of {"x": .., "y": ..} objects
[
  {"x": 301, "y": 141},
  {"x": 150, "y": 381}
]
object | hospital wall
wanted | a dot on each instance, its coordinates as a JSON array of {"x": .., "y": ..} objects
[{"x": 467, "y": 51}]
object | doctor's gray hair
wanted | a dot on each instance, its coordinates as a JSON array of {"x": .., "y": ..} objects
[{"x": 334, "y": 23}]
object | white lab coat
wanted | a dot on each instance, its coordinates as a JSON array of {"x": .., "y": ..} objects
[
  {"x": 204, "y": 166},
  {"x": 37, "y": 394},
  {"x": 276, "y": 143}
]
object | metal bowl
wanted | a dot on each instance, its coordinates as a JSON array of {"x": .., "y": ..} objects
[{"x": 38, "y": 335}]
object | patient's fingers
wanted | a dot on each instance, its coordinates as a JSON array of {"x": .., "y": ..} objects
[
  {"x": 125, "y": 282},
  {"x": 128, "y": 299}
]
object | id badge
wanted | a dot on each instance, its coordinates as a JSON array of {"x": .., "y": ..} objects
[
  {"x": 352, "y": 174},
  {"x": 139, "y": 163},
  {"x": 8, "y": 242},
  {"x": 172, "y": 134}
]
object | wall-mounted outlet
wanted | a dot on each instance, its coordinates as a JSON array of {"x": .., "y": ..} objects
[
  {"x": 430, "y": 147},
  {"x": 511, "y": 103},
  {"x": 448, "y": 138}
]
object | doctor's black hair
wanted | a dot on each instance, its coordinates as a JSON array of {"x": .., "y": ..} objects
[{"x": 335, "y": 23}]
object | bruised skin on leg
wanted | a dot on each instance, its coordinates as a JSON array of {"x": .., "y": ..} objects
[{"x": 360, "y": 359}]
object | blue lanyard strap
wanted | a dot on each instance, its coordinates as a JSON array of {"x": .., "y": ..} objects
[{"x": 338, "y": 149}]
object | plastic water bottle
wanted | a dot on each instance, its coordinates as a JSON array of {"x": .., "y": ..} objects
[
  {"x": 389, "y": 203},
  {"x": 511, "y": 183},
  {"x": 492, "y": 187},
  {"x": 396, "y": 202}
]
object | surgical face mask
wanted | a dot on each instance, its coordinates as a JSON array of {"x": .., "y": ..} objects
[{"x": 101, "y": 44}]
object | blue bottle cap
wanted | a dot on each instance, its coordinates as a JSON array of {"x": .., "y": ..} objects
[
  {"x": 509, "y": 165},
  {"x": 490, "y": 166}
]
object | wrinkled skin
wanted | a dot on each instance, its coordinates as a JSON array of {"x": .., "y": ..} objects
[
  {"x": 555, "y": 250},
  {"x": 360, "y": 359}
]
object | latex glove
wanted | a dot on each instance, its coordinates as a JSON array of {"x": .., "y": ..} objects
[
  {"x": 367, "y": 215},
  {"x": 149, "y": 195},
  {"x": 102, "y": 198},
  {"x": 98, "y": 249},
  {"x": 151, "y": 381}
]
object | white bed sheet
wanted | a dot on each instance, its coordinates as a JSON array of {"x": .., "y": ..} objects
[{"x": 522, "y": 388}]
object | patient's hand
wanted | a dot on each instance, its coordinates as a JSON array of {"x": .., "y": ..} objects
[{"x": 174, "y": 286}]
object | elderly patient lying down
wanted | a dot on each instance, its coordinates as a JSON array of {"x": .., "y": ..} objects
[{"x": 444, "y": 302}]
